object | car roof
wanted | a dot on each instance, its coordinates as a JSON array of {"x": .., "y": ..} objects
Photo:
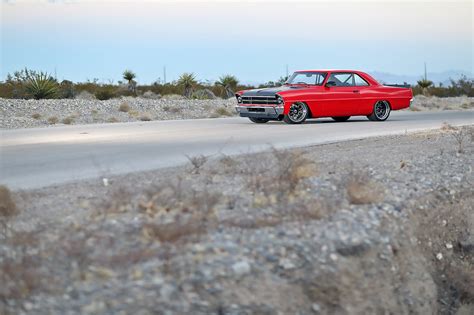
[{"x": 330, "y": 70}]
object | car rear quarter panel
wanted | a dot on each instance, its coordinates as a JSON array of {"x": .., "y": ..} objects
[{"x": 398, "y": 98}]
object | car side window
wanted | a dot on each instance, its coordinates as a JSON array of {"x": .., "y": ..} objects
[
  {"x": 342, "y": 79},
  {"x": 359, "y": 81}
]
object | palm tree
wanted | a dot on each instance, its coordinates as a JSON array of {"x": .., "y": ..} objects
[
  {"x": 187, "y": 81},
  {"x": 229, "y": 82},
  {"x": 130, "y": 76}
]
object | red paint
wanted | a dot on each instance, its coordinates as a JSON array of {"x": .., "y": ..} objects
[{"x": 333, "y": 101}]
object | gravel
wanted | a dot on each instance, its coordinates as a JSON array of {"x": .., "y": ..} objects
[
  {"x": 176, "y": 242},
  {"x": 43, "y": 113}
]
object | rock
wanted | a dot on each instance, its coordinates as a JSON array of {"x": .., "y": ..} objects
[
  {"x": 84, "y": 95},
  {"x": 449, "y": 245},
  {"x": 151, "y": 95},
  {"x": 205, "y": 94},
  {"x": 316, "y": 308},
  {"x": 467, "y": 244},
  {"x": 241, "y": 268},
  {"x": 286, "y": 264},
  {"x": 439, "y": 256}
]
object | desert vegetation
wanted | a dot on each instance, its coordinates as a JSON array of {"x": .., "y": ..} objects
[
  {"x": 26, "y": 84},
  {"x": 233, "y": 234}
]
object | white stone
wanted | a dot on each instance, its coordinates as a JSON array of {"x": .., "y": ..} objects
[{"x": 241, "y": 268}]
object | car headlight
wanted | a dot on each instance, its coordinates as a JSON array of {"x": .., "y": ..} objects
[
  {"x": 239, "y": 99},
  {"x": 280, "y": 100}
]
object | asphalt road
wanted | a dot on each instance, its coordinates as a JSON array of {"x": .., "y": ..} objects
[{"x": 31, "y": 158}]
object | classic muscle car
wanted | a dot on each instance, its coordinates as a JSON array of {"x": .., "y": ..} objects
[{"x": 339, "y": 94}]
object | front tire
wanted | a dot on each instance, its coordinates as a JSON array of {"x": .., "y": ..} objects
[
  {"x": 297, "y": 114},
  {"x": 341, "y": 118},
  {"x": 258, "y": 120},
  {"x": 380, "y": 112}
]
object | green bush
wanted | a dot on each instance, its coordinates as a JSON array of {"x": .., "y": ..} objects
[{"x": 105, "y": 92}]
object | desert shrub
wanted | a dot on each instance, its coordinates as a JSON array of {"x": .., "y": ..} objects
[
  {"x": 66, "y": 89},
  {"x": 68, "y": 120},
  {"x": 281, "y": 179},
  {"x": 145, "y": 117},
  {"x": 178, "y": 211},
  {"x": 7, "y": 205},
  {"x": 188, "y": 83},
  {"x": 229, "y": 84},
  {"x": 197, "y": 162},
  {"x": 124, "y": 107},
  {"x": 105, "y": 92},
  {"x": 362, "y": 190},
  {"x": 222, "y": 111},
  {"x": 36, "y": 116},
  {"x": 8, "y": 208},
  {"x": 53, "y": 120},
  {"x": 41, "y": 85},
  {"x": 112, "y": 120}
]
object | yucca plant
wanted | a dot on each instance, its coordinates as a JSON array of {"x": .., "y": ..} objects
[
  {"x": 40, "y": 85},
  {"x": 425, "y": 84},
  {"x": 229, "y": 83},
  {"x": 130, "y": 76},
  {"x": 187, "y": 81}
]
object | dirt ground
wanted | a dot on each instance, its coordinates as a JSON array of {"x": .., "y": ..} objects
[{"x": 375, "y": 226}]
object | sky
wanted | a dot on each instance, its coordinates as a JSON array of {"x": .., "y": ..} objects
[{"x": 254, "y": 40}]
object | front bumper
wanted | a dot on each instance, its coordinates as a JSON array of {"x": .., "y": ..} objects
[{"x": 269, "y": 112}]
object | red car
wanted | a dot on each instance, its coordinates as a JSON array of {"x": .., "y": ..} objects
[{"x": 339, "y": 94}]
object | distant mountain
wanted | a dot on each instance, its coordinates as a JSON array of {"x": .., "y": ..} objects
[{"x": 436, "y": 77}]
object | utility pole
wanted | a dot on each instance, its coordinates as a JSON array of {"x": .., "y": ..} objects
[
  {"x": 426, "y": 77},
  {"x": 164, "y": 75}
]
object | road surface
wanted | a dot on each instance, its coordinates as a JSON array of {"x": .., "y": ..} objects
[{"x": 31, "y": 158}]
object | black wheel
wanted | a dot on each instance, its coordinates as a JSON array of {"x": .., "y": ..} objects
[
  {"x": 381, "y": 111},
  {"x": 297, "y": 114},
  {"x": 341, "y": 118},
  {"x": 258, "y": 120}
]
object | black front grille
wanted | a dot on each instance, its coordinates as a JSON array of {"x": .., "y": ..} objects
[
  {"x": 265, "y": 100},
  {"x": 258, "y": 109}
]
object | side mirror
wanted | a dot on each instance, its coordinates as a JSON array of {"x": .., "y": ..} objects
[{"x": 330, "y": 83}]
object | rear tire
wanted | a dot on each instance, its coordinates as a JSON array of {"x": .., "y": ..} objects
[
  {"x": 341, "y": 118},
  {"x": 380, "y": 112},
  {"x": 297, "y": 114},
  {"x": 258, "y": 120}
]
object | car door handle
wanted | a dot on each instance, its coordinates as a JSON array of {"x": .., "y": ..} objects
[{"x": 356, "y": 91}]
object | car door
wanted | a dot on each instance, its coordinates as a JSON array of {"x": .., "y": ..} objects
[
  {"x": 363, "y": 103},
  {"x": 342, "y": 96}
]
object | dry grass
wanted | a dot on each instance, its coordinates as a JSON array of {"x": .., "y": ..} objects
[
  {"x": 112, "y": 120},
  {"x": 7, "y": 205},
  {"x": 36, "y": 116},
  {"x": 124, "y": 107},
  {"x": 279, "y": 179},
  {"x": 68, "y": 120},
  {"x": 53, "y": 120},
  {"x": 8, "y": 209},
  {"x": 197, "y": 162},
  {"x": 177, "y": 211},
  {"x": 222, "y": 111},
  {"x": 145, "y": 117},
  {"x": 460, "y": 135},
  {"x": 362, "y": 190}
]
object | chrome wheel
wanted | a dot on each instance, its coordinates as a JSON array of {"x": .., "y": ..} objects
[
  {"x": 381, "y": 111},
  {"x": 297, "y": 113}
]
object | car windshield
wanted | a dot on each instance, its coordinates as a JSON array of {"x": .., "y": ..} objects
[{"x": 313, "y": 78}]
